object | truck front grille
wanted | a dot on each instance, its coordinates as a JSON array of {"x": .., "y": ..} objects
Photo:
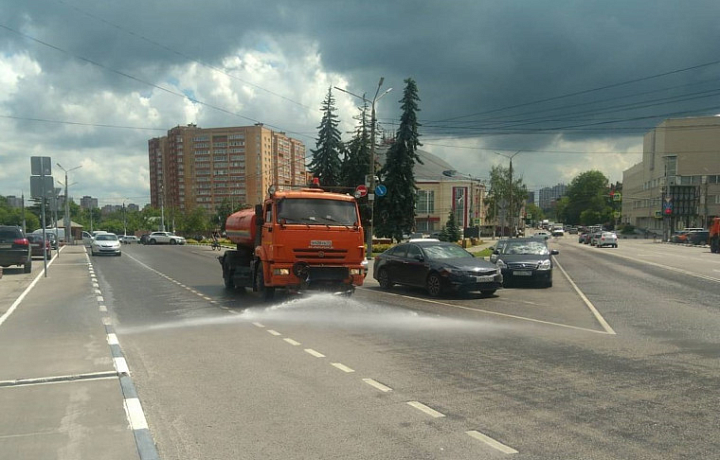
[{"x": 320, "y": 254}]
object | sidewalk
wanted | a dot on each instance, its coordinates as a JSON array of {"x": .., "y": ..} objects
[{"x": 60, "y": 394}]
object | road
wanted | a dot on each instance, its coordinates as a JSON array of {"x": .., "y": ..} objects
[{"x": 619, "y": 359}]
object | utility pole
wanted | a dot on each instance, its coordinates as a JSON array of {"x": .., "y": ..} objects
[{"x": 68, "y": 236}]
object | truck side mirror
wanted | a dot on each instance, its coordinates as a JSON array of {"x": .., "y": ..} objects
[{"x": 259, "y": 217}]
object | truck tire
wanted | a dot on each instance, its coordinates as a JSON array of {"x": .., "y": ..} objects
[
  {"x": 228, "y": 278},
  {"x": 267, "y": 293}
]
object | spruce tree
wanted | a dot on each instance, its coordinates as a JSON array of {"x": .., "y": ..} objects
[
  {"x": 326, "y": 156},
  {"x": 395, "y": 212}
]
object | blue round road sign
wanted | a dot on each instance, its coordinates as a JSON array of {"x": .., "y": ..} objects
[{"x": 380, "y": 190}]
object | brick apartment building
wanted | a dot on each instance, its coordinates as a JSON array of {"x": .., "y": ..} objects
[{"x": 192, "y": 166}]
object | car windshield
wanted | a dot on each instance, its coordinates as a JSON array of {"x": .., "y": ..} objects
[
  {"x": 449, "y": 251},
  {"x": 316, "y": 212},
  {"x": 106, "y": 237},
  {"x": 525, "y": 248}
]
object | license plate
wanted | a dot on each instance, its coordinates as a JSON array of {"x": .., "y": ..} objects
[
  {"x": 484, "y": 279},
  {"x": 5, "y": 245},
  {"x": 522, "y": 273}
]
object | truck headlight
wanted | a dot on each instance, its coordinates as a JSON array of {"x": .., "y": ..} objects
[
  {"x": 281, "y": 271},
  {"x": 356, "y": 271}
]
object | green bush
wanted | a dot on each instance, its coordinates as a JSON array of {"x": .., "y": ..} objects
[{"x": 378, "y": 248}]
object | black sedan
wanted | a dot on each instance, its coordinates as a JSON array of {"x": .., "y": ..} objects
[
  {"x": 526, "y": 259},
  {"x": 436, "y": 266}
]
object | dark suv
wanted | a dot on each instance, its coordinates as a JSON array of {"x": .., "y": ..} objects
[{"x": 14, "y": 248}]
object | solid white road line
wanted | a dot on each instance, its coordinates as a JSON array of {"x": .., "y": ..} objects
[
  {"x": 428, "y": 410},
  {"x": 589, "y": 304},
  {"x": 343, "y": 367},
  {"x": 316, "y": 354},
  {"x": 377, "y": 385},
  {"x": 491, "y": 442}
]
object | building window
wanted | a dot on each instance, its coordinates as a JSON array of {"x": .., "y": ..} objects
[
  {"x": 671, "y": 165},
  {"x": 426, "y": 202}
]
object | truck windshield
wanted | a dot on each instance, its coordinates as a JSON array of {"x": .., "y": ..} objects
[{"x": 316, "y": 212}]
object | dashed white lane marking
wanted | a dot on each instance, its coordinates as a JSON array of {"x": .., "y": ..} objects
[
  {"x": 343, "y": 367},
  {"x": 121, "y": 366},
  {"x": 95, "y": 285},
  {"x": 589, "y": 304},
  {"x": 273, "y": 332},
  {"x": 292, "y": 342},
  {"x": 98, "y": 291},
  {"x": 106, "y": 321},
  {"x": 102, "y": 308},
  {"x": 491, "y": 442},
  {"x": 377, "y": 385},
  {"x": 135, "y": 414},
  {"x": 112, "y": 339},
  {"x": 258, "y": 325},
  {"x": 316, "y": 354},
  {"x": 428, "y": 410},
  {"x": 100, "y": 298}
]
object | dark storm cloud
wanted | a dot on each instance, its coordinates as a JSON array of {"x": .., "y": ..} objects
[{"x": 481, "y": 66}]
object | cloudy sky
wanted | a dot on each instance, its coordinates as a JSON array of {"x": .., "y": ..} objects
[{"x": 571, "y": 85}]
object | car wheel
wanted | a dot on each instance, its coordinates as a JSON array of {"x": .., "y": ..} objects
[
  {"x": 152, "y": 241},
  {"x": 267, "y": 293},
  {"x": 434, "y": 285},
  {"x": 119, "y": 254},
  {"x": 548, "y": 283},
  {"x": 488, "y": 292},
  {"x": 27, "y": 268},
  {"x": 173, "y": 242},
  {"x": 384, "y": 279}
]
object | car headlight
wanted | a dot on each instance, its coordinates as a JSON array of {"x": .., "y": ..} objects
[
  {"x": 498, "y": 271},
  {"x": 500, "y": 263},
  {"x": 545, "y": 265},
  {"x": 281, "y": 271}
]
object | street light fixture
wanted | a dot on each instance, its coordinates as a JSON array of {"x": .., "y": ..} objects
[
  {"x": 371, "y": 192},
  {"x": 68, "y": 235}
]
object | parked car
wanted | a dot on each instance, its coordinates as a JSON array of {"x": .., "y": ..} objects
[
  {"x": 526, "y": 260},
  {"x": 15, "y": 248},
  {"x": 105, "y": 243},
  {"x": 36, "y": 244},
  {"x": 497, "y": 249},
  {"x": 573, "y": 231},
  {"x": 594, "y": 237},
  {"x": 440, "y": 267},
  {"x": 701, "y": 237},
  {"x": 165, "y": 238},
  {"x": 584, "y": 238},
  {"x": 128, "y": 239},
  {"x": 606, "y": 239},
  {"x": 86, "y": 238}
]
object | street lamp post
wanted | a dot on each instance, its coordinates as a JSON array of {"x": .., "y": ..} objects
[
  {"x": 68, "y": 236},
  {"x": 510, "y": 188},
  {"x": 371, "y": 192}
]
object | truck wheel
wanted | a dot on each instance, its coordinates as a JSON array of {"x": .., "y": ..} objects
[
  {"x": 227, "y": 277},
  {"x": 266, "y": 292}
]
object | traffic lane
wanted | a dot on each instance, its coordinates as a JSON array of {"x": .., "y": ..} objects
[
  {"x": 241, "y": 390},
  {"x": 561, "y": 304},
  {"x": 697, "y": 260},
  {"x": 677, "y": 310}
]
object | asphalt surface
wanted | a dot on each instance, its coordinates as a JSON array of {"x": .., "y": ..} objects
[{"x": 619, "y": 359}]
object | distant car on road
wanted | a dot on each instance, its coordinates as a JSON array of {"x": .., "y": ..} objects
[
  {"x": 542, "y": 234},
  {"x": 105, "y": 243},
  {"x": 165, "y": 238},
  {"x": 526, "y": 260},
  {"x": 603, "y": 239},
  {"x": 36, "y": 244},
  {"x": 128, "y": 239},
  {"x": 440, "y": 267},
  {"x": 15, "y": 248}
]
